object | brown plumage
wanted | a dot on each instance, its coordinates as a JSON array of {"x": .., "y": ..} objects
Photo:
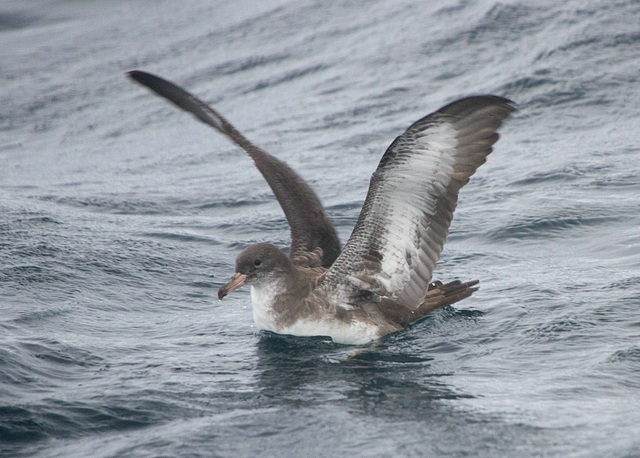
[{"x": 381, "y": 281}]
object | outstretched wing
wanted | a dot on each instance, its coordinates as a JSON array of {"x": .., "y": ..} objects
[
  {"x": 310, "y": 226},
  {"x": 405, "y": 220}
]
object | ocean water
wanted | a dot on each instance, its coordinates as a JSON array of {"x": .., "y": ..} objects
[{"x": 120, "y": 216}]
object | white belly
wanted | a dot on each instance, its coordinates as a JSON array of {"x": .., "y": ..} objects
[{"x": 352, "y": 333}]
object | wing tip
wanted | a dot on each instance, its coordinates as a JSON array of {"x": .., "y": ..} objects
[
  {"x": 155, "y": 83},
  {"x": 138, "y": 75},
  {"x": 466, "y": 105}
]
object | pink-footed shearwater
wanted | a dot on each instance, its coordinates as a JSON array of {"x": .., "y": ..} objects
[{"x": 381, "y": 281}]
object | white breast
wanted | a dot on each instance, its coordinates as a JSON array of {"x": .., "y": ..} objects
[{"x": 263, "y": 297}]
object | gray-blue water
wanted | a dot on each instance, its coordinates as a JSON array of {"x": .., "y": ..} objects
[{"x": 120, "y": 216}]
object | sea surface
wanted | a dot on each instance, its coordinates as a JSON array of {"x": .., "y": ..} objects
[{"x": 121, "y": 216}]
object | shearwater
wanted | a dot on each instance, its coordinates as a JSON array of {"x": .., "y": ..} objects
[{"x": 381, "y": 281}]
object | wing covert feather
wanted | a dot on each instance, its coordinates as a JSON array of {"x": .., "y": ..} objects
[{"x": 412, "y": 195}]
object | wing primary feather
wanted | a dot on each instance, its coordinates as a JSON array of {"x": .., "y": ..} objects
[{"x": 310, "y": 225}]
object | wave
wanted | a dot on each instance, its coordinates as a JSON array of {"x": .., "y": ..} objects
[{"x": 544, "y": 227}]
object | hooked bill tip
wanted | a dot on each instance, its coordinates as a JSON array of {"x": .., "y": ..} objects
[{"x": 236, "y": 282}]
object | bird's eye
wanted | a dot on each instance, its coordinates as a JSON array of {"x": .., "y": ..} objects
[{"x": 257, "y": 262}]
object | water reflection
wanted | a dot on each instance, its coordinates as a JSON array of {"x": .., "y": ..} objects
[{"x": 385, "y": 378}]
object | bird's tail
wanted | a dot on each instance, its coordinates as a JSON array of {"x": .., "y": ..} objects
[{"x": 441, "y": 295}]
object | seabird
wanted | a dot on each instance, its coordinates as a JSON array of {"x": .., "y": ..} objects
[{"x": 381, "y": 281}]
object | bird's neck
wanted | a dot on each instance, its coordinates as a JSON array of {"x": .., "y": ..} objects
[{"x": 276, "y": 303}]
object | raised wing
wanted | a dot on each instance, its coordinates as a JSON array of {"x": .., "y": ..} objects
[
  {"x": 310, "y": 226},
  {"x": 405, "y": 220}
]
